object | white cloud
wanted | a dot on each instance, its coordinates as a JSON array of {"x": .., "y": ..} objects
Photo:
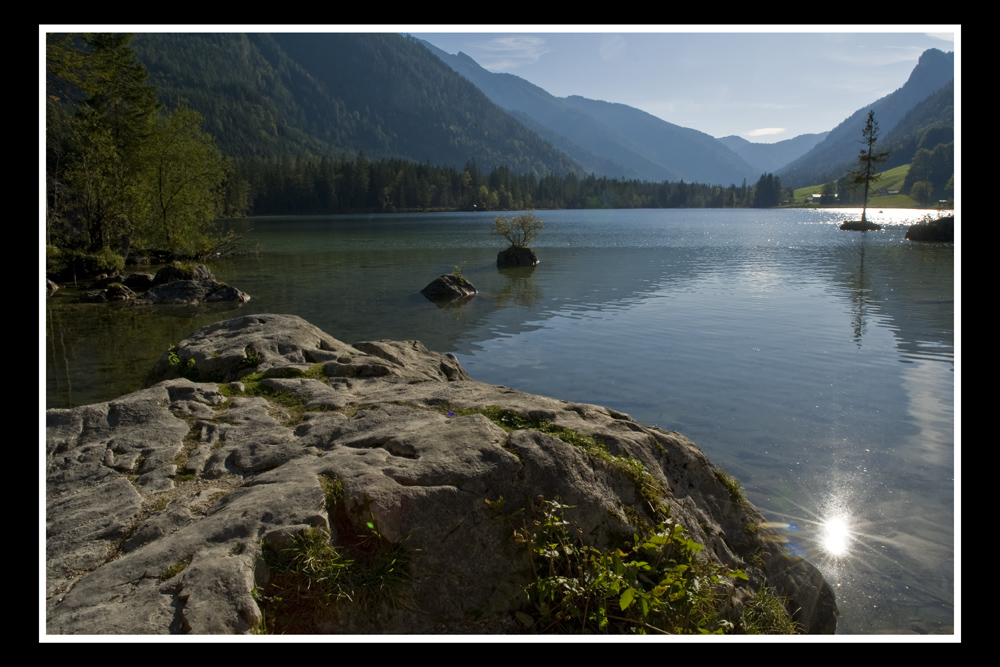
[
  {"x": 762, "y": 131},
  {"x": 611, "y": 47},
  {"x": 946, "y": 36},
  {"x": 505, "y": 53}
]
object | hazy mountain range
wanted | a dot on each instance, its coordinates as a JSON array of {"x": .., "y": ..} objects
[{"x": 392, "y": 96}]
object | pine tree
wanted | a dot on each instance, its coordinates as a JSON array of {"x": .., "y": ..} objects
[{"x": 868, "y": 161}]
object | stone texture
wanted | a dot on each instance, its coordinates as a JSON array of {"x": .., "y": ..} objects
[
  {"x": 449, "y": 288},
  {"x": 516, "y": 256},
  {"x": 158, "y": 503}
]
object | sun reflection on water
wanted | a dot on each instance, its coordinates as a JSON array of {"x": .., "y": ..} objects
[{"x": 836, "y": 536}]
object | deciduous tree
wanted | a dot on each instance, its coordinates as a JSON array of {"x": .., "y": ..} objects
[{"x": 185, "y": 184}]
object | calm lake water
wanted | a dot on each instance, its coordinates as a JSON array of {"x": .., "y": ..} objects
[{"x": 815, "y": 365}]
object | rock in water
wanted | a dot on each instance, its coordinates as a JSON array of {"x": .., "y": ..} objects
[
  {"x": 516, "y": 256},
  {"x": 940, "y": 230},
  {"x": 449, "y": 288},
  {"x": 173, "y": 509}
]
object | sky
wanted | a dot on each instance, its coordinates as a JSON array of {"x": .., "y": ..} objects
[{"x": 764, "y": 84}]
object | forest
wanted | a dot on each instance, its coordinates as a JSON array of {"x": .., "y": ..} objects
[
  {"x": 300, "y": 186},
  {"x": 124, "y": 176}
]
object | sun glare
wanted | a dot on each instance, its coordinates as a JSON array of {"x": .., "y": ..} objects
[{"x": 836, "y": 536}]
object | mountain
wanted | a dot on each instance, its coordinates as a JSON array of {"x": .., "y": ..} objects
[
  {"x": 772, "y": 157},
  {"x": 831, "y": 158},
  {"x": 325, "y": 95},
  {"x": 608, "y": 139}
]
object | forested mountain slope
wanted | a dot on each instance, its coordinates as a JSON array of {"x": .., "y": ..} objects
[
  {"x": 834, "y": 155},
  {"x": 326, "y": 95}
]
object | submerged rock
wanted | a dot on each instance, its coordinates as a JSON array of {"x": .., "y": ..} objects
[{"x": 168, "y": 509}]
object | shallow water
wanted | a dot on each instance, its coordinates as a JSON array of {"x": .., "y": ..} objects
[{"x": 815, "y": 365}]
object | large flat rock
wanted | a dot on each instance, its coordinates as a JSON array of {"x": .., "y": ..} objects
[{"x": 158, "y": 503}]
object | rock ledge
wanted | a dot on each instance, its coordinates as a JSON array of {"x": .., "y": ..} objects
[{"x": 158, "y": 502}]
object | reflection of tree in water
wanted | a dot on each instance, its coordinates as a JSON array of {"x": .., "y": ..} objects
[
  {"x": 97, "y": 352},
  {"x": 519, "y": 289},
  {"x": 857, "y": 295}
]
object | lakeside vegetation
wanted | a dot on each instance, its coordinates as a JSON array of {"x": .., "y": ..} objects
[{"x": 124, "y": 176}]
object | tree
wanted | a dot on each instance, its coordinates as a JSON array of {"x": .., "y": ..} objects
[
  {"x": 519, "y": 231},
  {"x": 767, "y": 192},
  {"x": 868, "y": 161},
  {"x": 185, "y": 183},
  {"x": 922, "y": 191},
  {"x": 95, "y": 83}
]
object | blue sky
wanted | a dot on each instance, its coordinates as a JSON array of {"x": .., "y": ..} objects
[{"x": 764, "y": 84}]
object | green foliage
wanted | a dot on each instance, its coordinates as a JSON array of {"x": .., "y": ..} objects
[
  {"x": 176, "y": 568},
  {"x": 181, "y": 367},
  {"x": 304, "y": 582},
  {"x": 764, "y": 613},
  {"x": 120, "y": 177},
  {"x": 732, "y": 485},
  {"x": 768, "y": 191},
  {"x": 655, "y": 584},
  {"x": 185, "y": 185},
  {"x": 311, "y": 580},
  {"x": 293, "y": 404},
  {"x": 519, "y": 231},
  {"x": 333, "y": 490}
]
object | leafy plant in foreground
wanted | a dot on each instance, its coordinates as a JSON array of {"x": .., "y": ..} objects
[{"x": 657, "y": 584}]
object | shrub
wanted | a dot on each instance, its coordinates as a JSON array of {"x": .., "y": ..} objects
[
  {"x": 519, "y": 231},
  {"x": 654, "y": 583}
]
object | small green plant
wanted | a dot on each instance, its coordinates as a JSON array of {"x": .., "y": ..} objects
[
  {"x": 765, "y": 614},
  {"x": 333, "y": 490},
  {"x": 656, "y": 584},
  {"x": 312, "y": 579},
  {"x": 304, "y": 581},
  {"x": 176, "y": 568},
  {"x": 294, "y": 404},
  {"x": 732, "y": 485},
  {"x": 457, "y": 270},
  {"x": 181, "y": 367},
  {"x": 253, "y": 358}
]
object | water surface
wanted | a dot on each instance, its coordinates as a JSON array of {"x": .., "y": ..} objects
[{"x": 815, "y": 365}]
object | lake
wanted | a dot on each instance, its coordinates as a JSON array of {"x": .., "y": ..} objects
[{"x": 817, "y": 366}]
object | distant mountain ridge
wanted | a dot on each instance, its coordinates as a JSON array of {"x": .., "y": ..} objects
[
  {"x": 285, "y": 96},
  {"x": 616, "y": 140},
  {"x": 610, "y": 139},
  {"x": 772, "y": 157},
  {"x": 829, "y": 159}
]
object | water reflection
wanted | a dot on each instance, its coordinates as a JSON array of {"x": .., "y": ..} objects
[
  {"x": 836, "y": 535},
  {"x": 519, "y": 289},
  {"x": 815, "y": 365}
]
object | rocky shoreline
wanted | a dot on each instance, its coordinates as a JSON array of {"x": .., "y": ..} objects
[{"x": 162, "y": 505}]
